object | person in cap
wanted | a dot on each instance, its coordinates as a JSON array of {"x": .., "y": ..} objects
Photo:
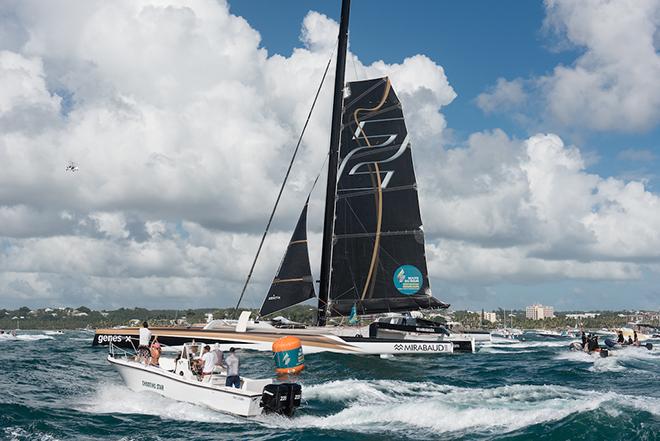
[
  {"x": 208, "y": 360},
  {"x": 232, "y": 362}
]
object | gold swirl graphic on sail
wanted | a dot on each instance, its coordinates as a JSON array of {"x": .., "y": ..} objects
[{"x": 379, "y": 191}]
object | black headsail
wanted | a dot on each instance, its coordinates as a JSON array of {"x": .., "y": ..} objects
[
  {"x": 378, "y": 256},
  {"x": 293, "y": 283}
]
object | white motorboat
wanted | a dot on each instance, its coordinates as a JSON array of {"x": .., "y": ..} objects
[
  {"x": 549, "y": 333},
  {"x": 508, "y": 333},
  {"x": 174, "y": 378}
]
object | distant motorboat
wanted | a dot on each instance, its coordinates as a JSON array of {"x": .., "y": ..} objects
[
  {"x": 508, "y": 333},
  {"x": 612, "y": 344},
  {"x": 644, "y": 331},
  {"x": 549, "y": 333}
]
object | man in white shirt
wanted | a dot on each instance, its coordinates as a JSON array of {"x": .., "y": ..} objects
[
  {"x": 145, "y": 340},
  {"x": 208, "y": 358}
]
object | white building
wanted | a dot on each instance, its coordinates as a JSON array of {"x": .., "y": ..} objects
[
  {"x": 539, "y": 312},
  {"x": 583, "y": 315},
  {"x": 490, "y": 316}
]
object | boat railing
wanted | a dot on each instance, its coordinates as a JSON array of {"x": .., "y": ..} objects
[{"x": 113, "y": 350}]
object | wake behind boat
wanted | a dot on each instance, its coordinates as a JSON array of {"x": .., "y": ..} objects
[{"x": 175, "y": 378}]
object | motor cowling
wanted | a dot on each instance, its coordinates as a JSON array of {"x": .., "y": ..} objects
[{"x": 281, "y": 398}]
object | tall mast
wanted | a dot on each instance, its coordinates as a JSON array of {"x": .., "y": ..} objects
[{"x": 331, "y": 188}]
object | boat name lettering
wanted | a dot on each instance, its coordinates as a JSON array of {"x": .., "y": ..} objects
[
  {"x": 112, "y": 338},
  {"x": 152, "y": 385},
  {"x": 420, "y": 347}
]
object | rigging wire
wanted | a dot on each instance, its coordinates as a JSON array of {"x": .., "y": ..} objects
[{"x": 286, "y": 176}]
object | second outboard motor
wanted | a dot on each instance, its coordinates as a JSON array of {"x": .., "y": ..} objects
[{"x": 281, "y": 398}]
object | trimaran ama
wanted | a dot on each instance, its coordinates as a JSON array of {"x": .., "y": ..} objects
[{"x": 373, "y": 259}]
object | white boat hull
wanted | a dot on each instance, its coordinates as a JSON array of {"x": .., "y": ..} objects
[
  {"x": 242, "y": 402},
  {"x": 343, "y": 340}
]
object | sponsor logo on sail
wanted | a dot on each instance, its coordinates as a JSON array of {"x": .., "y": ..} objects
[{"x": 408, "y": 279}]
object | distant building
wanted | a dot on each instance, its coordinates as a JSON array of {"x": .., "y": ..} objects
[
  {"x": 490, "y": 316},
  {"x": 209, "y": 317},
  {"x": 583, "y": 315},
  {"x": 539, "y": 312}
]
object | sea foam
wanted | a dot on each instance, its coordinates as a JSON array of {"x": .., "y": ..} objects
[{"x": 374, "y": 406}]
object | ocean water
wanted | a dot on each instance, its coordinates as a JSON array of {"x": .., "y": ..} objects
[{"x": 57, "y": 387}]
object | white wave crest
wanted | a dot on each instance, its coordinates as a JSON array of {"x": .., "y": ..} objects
[
  {"x": 24, "y": 337},
  {"x": 113, "y": 398},
  {"x": 617, "y": 361},
  {"x": 515, "y": 346},
  {"x": 376, "y": 406},
  {"x": 20, "y": 434},
  {"x": 512, "y": 351}
]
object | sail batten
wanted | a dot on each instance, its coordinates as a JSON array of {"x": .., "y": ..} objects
[
  {"x": 378, "y": 256},
  {"x": 293, "y": 283}
]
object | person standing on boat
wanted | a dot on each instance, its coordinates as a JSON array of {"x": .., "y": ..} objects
[
  {"x": 208, "y": 360},
  {"x": 233, "y": 363},
  {"x": 219, "y": 357},
  {"x": 145, "y": 339},
  {"x": 635, "y": 339}
]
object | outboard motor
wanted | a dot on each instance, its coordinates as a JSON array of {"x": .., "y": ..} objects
[
  {"x": 281, "y": 398},
  {"x": 604, "y": 353}
]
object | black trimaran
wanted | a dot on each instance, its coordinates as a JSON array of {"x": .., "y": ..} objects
[{"x": 373, "y": 259}]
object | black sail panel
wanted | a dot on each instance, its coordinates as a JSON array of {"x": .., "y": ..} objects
[
  {"x": 378, "y": 256},
  {"x": 294, "y": 282}
]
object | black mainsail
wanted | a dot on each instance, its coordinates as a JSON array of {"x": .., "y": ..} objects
[
  {"x": 293, "y": 283},
  {"x": 373, "y": 258},
  {"x": 378, "y": 256}
]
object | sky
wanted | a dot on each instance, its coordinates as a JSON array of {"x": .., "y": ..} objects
[{"x": 534, "y": 125}]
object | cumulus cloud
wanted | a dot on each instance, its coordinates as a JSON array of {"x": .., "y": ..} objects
[
  {"x": 182, "y": 125},
  {"x": 614, "y": 84},
  {"x": 528, "y": 210}
]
